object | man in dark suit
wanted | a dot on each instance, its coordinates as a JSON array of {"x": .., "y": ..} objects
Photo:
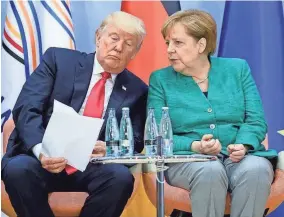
[{"x": 90, "y": 83}]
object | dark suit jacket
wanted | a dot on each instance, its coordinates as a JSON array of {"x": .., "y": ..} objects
[{"x": 65, "y": 75}]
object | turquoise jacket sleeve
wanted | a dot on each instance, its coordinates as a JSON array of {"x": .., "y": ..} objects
[{"x": 252, "y": 132}]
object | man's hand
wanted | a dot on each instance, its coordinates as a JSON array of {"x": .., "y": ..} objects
[
  {"x": 52, "y": 164},
  {"x": 207, "y": 145},
  {"x": 237, "y": 152},
  {"x": 99, "y": 150}
]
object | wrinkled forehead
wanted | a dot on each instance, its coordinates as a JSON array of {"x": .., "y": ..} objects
[{"x": 122, "y": 32}]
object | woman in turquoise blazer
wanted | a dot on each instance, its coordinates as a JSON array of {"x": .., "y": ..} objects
[{"x": 215, "y": 109}]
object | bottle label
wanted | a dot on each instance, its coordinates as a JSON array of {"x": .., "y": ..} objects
[
  {"x": 167, "y": 147},
  {"x": 112, "y": 148},
  {"x": 126, "y": 148},
  {"x": 151, "y": 147}
]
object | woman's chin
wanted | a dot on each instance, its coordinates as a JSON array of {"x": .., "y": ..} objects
[{"x": 177, "y": 67}]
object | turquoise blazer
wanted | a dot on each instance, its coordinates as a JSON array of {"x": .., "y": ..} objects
[{"x": 232, "y": 112}]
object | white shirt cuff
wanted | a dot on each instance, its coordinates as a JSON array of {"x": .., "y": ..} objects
[{"x": 37, "y": 150}]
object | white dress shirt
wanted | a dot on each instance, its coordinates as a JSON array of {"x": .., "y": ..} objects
[{"x": 96, "y": 76}]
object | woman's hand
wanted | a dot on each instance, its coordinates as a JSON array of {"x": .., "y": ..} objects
[
  {"x": 207, "y": 145},
  {"x": 237, "y": 152}
]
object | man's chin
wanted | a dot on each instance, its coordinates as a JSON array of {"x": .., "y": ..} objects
[{"x": 113, "y": 67}]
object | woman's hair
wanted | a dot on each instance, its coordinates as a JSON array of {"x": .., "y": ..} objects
[{"x": 198, "y": 24}]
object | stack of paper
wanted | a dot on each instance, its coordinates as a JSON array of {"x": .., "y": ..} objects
[{"x": 71, "y": 136}]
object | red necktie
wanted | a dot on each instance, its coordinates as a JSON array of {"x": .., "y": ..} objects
[{"x": 94, "y": 106}]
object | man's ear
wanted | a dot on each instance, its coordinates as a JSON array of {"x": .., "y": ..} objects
[
  {"x": 137, "y": 50},
  {"x": 97, "y": 38},
  {"x": 134, "y": 55}
]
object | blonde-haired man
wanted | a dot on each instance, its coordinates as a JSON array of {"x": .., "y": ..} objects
[{"x": 90, "y": 83}]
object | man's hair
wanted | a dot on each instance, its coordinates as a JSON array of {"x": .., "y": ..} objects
[{"x": 126, "y": 22}]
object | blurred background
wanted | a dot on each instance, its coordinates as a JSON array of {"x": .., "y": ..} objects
[{"x": 253, "y": 30}]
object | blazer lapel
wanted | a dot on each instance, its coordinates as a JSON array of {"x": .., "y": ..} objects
[
  {"x": 117, "y": 96},
  {"x": 82, "y": 80},
  {"x": 119, "y": 91}
]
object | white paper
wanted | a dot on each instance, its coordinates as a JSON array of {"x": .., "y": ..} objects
[{"x": 71, "y": 136}]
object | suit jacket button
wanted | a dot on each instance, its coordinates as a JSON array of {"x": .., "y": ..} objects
[
  {"x": 212, "y": 126},
  {"x": 209, "y": 110}
]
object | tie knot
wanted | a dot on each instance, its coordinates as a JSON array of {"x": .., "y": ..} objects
[{"x": 105, "y": 75}]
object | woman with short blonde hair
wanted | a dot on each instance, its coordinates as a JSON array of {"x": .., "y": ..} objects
[
  {"x": 215, "y": 109},
  {"x": 198, "y": 24}
]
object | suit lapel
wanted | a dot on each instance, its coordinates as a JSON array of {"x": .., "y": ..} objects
[
  {"x": 82, "y": 80},
  {"x": 117, "y": 96},
  {"x": 119, "y": 91}
]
